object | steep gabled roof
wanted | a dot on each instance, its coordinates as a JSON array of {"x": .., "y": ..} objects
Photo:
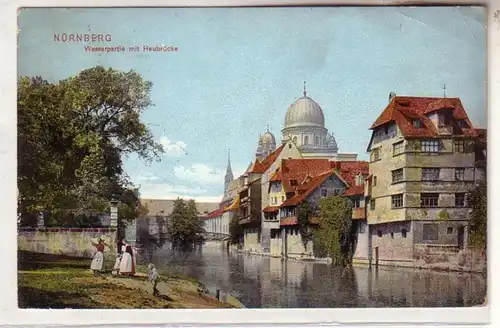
[
  {"x": 262, "y": 166},
  {"x": 403, "y": 110},
  {"x": 308, "y": 188}
]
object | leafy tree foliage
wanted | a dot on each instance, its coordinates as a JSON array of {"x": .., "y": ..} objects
[
  {"x": 72, "y": 136},
  {"x": 477, "y": 199},
  {"x": 304, "y": 215},
  {"x": 235, "y": 230},
  {"x": 333, "y": 238},
  {"x": 184, "y": 226}
]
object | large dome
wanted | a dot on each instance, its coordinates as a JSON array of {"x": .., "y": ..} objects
[
  {"x": 304, "y": 112},
  {"x": 268, "y": 138}
]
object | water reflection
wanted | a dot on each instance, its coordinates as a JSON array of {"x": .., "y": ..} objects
[{"x": 274, "y": 283}]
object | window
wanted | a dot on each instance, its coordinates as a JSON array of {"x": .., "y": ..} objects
[
  {"x": 290, "y": 146},
  {"x": 337, "y": 192},
  {"x": 362, "y": 228},
  {"x": 430, "y": 232},
  {"x": 375, "y": 155},
  {"x": 462, "y": 124},
  {"x": 282, "y": 198},
  {"x": 460, "y": 200},
  {"x": 355, "y": 203},
  {"x": 293, "y": 182},
  {"x": 441, "y": 120},
  {"x": 403, "y": 233},
  {"x": 430, "y": 174},
  {"x": 324, "y": 192},
  {"x": 449, "y": 231},
  {"x": 372, "y": 204},
  {"x": 392, "y": 235},
  {"x": 397, "y": 148},
  {"x": 460, "y": 174},
  {"x": 430, "y": 146},
  {"x": 397, "y": 175},
  {"x": 374, "y": 181},
  {"x": 379, "y": 233},
  {"x": 295, "y": 140},
  {"x": 429, "y": 200},
  {"x": 317, "y": 140},
  {"x": 397, "y": 201},
  {"x": 306, "y": 140},
  {"x": 459, "y": 146},
  {"x": 417, "y": 123}
]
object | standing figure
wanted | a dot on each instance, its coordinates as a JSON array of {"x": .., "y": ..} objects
[
  {"x": 127, "y": 263},
  {"x": 153, "y": 278},
  {"x": 119, "y": 253},
  {"x": 98, "y": 260}
]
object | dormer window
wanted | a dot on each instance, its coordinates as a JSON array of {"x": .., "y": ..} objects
[
  {"x": 417, "y": 124},
  {"x": 462, "y": 124}
]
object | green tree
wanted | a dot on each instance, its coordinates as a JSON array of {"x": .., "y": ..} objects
[
  {"x": 304, "y": 215},
  {"x": 184, "y": 226},
  {"x": 477, "y": 199},
  {"x": 235, "y": 230},
  {"x": 72, "y": 136},
  {"x": 333, "y": 238}
]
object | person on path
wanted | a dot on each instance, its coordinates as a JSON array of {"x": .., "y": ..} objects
[
  {"x": 98, "y": 260},
  {"x": 127, "y": 263},
  {"x": 119, "y": 254},
  {"x": 153, "y": 278}
]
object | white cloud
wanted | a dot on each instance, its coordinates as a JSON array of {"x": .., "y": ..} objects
[
  {"x": 172, "y": 148},
  {"x": 200, "y": 174}
]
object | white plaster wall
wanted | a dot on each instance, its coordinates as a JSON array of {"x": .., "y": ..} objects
[{"x": 251, "y": 242}]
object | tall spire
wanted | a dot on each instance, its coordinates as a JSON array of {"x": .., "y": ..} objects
[
  {"x": 229, "y": 172},
  {"x": 267, "y": 127},
  {"x": 444, "y": 90},
  {"x": 305, "y": 90}
]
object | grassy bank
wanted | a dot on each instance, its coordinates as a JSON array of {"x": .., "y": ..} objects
[{"x": 53, "y": 281}]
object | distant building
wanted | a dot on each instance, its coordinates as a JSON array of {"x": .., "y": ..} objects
[
  {"x": 422, "y": 164},
  {"x": 153, "y": 226}
]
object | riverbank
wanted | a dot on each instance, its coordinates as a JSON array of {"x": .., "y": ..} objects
[{"x": 56, "y": 281}]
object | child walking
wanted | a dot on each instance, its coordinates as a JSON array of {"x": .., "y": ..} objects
[{"x": 153, "y": 278}]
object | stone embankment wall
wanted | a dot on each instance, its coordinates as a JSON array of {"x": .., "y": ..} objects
[
  {"x": 66, "y": 241},
  {"x": 449, "y": 258}
]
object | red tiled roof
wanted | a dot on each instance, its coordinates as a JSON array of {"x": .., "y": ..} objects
[
  {"x": 298, "y": 169},
  {"x": 306, "y": 189},
  {"x": 317, "y": 171},
  {"x": 262, "y": 166},
  {"x": 216, "y": 213},
  {"x": 403, "y": 110},
  {"x": 293, "y": 220},
  {"x": 270, "y": 209},
  {"x": 289, "y": 221},
  {"x": 276, "y": 176},
  {"x": 349, "y": 170}
]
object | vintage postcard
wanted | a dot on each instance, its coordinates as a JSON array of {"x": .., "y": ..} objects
[{"x": 252, "y": 158}]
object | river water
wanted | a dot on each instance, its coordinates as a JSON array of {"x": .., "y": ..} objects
[{"x": 263, "y": 282}]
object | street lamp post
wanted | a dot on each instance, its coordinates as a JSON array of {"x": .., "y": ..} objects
[{"x": 113, "y": 204}]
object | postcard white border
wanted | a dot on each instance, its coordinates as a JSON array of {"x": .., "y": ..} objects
[{"x": 11, "y": 315}]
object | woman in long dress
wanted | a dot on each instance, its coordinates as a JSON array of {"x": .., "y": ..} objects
[
  {"x": 127, "y": 264},
  {"x": 98, "y": 260},
  {"x": 119, "y": 253}
]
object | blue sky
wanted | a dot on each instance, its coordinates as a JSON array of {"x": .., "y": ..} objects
[{"x": 238, "y": 70}]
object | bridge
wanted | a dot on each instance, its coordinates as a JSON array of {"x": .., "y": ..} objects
[{"x": 154, "y": 230}]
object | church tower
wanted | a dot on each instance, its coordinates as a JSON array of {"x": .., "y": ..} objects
[{"x": 229, "y": 172}]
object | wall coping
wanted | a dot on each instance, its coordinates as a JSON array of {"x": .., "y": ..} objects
[{"x": 55, "y": 229}]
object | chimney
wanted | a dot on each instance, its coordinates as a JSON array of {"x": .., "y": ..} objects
[{"x": 391, "y": 96}]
